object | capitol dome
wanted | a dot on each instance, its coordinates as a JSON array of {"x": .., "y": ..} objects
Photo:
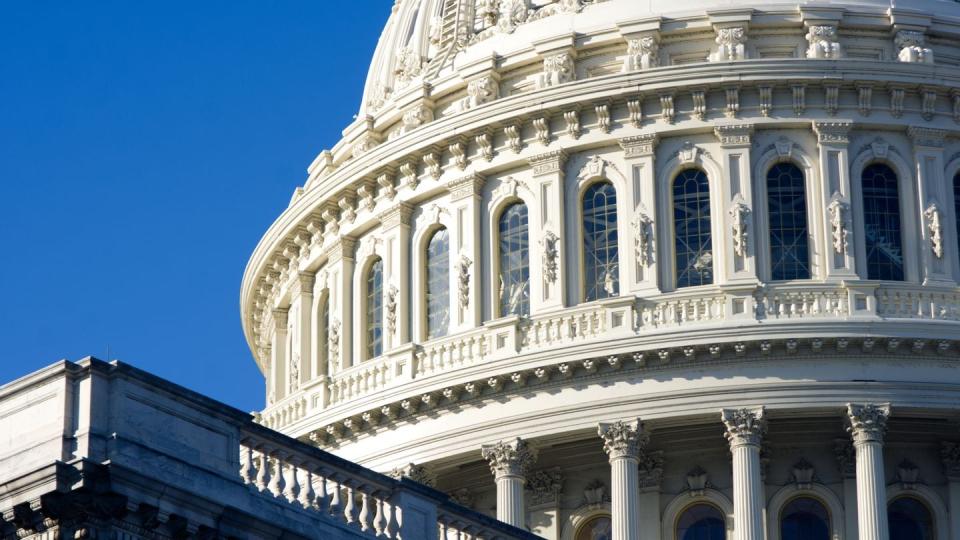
[{"x": 642, "y": 270}]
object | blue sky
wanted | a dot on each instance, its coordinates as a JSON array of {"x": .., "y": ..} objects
[{"x": 144, "y": 148}]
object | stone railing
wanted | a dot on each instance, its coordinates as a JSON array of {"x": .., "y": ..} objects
[
  {"x": 628, "y": 317},
  {"x": 378, "y": 506}
]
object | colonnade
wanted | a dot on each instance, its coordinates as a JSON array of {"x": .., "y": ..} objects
[{"x": 625, "y": 443}]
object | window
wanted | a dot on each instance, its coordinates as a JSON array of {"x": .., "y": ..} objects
[
  {"x": 324, "y": 337},
  {"x": 514, "y": 261},
  {"x": 691, "y": 221},
  {"x": 701, "y": 522},
  {"x": 956, "y": 205},
  {"x": 375, "y": 309},
  {"x": 438, "y": 284},
  {"x": 804, "y": 518},
  {"x": 909, "y": 519},
  {"x": 881, "y": 220},
  {"x": 600, "y": 254},
  {"x": 787, "y": 206},
  {"x": 596, "y": 528}
]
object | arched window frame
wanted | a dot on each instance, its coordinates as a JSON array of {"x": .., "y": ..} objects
[
  {"x": 909, "y": 216},
  {"x": 580, "y": 517},
  {"x": 930, "y": 499},
  {"x": 587, "y": 178},
  {"x": 679, "y": 504},
  {"x": 797, "y": 156},
  {"x": 951, "y": 224},
  {"x": 320, "y": 346},
  {"x": 370, "y": 249},
  {"x": 508, "y": 192},
  {"x": 689, "y": 156},
  {"x": 426, "y": 225},
  {"x": 817, "y": 491}
]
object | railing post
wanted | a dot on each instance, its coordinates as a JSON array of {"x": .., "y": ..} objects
[{"x": 418, "y": 516}]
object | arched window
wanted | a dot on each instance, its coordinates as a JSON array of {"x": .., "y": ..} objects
[
  {"x": 596, "y": 528},
  {"x": 691, "y": 222},
  {"x": 601, "y": 260},
  {"x": 514, "y": 261},
  {"x": 910, "y": 519},
  {"x": 956, "y": 206},
  {"x": 375, "y": 309},
  {"x": 787, "y": 205},
  {"x": 881, "y": 220},
  {"x": 701, "y": 522},
  {"x": 438, "y": 284},
  {"x": 804, "y": 518}
]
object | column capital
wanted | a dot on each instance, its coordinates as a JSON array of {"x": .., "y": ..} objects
[
  {"x": 835, "y": 132},
  {"x": 734, "y": 135},
  {"x": 639, "y": 145},
  {"x": 467, "y": 186},
  {"x": 341, "y": 249},
  {"x": 303, "y": 284},
  {"x": 868, "y": 421},
  {"x": 280, "y": 318},
  {"x": 398, "y": 214},
  {"x": 926, "y": 137},
  {"x": 623, "y": 439},
  {"x": 509, "y": 458},
  {"x": 744, "y": 426},
  {"x": 548, "y": 162}
]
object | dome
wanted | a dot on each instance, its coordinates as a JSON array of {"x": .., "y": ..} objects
[{"x": 674, "y": 266}]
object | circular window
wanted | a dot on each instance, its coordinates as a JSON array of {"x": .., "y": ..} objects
[{"x": 596, "y": 528}]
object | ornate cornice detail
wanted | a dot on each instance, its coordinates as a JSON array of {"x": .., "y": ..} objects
[
  {"x": 398, "y": 214},
  {"x": 467, "y": 186},
  {"x": 639, "y": 145},
  {"x": 744, "y": 426},
  {"x": 734, "y": 135},
  {"x": 832, "y": 132},
  {"x": 868, "y": 421},
  {"x": 926, "y": 137},
  {"x": 623, "y": 439},
  {"x": 509, "y": 458},
  {"x": 548, "y": 162}
]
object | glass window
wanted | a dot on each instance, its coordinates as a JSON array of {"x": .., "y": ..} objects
[
  {"x": 375, "y": 309},
  {"x": 804, "y": 518},
  {"x": 701, "y": 522},
  {"x": 438, "y": 284},
  {"x": 956, "y": 205},
  {"x": 881, "y": 220},
  {"x": 787, "y": 202},
  {"x": 909, "y": 519},
  {"x": 514, "y": 261},
  {"x": 691, "y": 221},
  {"x": 600, "y": 255},
  {"x": 596, "y": 528}
]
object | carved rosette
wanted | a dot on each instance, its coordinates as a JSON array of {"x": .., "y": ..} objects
[
  {"x": 868, "y": 422},
  {"x": 623, "y": 439},
  {"x": 744, "y": 426},
  {"x": 509, "y": 458}
]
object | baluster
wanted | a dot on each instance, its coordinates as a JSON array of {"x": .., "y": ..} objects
[
  {"x": 307, "y": 494},
  {"x": 379, "y": 523},
  {"x": 320, "y": 502},
  {"x": 393, "y": 520},
  {"x": 292, "y": 488},
  {"x": 246, "y": 464},
  {"x": 276, "y": 480},
  {"x": 335, "y": 508},
  {"x": 364, "y": 516},
  {"x": 263, "y": 472},
  {"x": 350, "y": 509},
  {"x": 442, "y": 529}
]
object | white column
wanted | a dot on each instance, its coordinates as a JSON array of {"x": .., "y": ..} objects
[
  {"x": 279, "y": 361},
  {"x": 509, "y": 462},
  {"x": 623, "y": 442},
  {"x": 745, "y": 429},
  {"x": 640, "y": 204},
  {"x": 950, "y": 452},
  {"x": 867, "y": 425},
  {"x": 301, "y": 300},
  {"x": 548, "y": 168},
  {"x": 846, "y": 460}
]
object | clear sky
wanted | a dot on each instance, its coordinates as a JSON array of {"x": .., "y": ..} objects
[{"x": 145, "y": 146}]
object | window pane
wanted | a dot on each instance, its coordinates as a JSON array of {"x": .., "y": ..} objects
[
  {"x": 787, "y": 202},
  {"x": 691, "y": 220},
  {"x": 438, "y": 284},
  {"x": 881, "y": 219},
  {"x": 600, "y": 255},
  {"x": 804, "y": 518},
  {"x": 514, "y": 261},
  {"x": 909, "y": 519},
  {"x": 956, "y": 206},
  {"x": 375, "y": 310},
  {"x": 701, "y": 522},
  {"x": 598, "y": 528}
]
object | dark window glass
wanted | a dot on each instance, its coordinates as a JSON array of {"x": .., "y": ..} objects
[
  {"x": 598, "y": 528},
  {"x": 600, "y": 255},
  {"x": 691, "y": 220},
  {"x": 701, "y": 522},
  {"x": 514, "y": 261},
  {"x": 375, "y": 309},
  {"x": 881, "y": 220},
  {"x": 910, "y": 519},
  {"x": 804, "y": 518},
  {"x": 787, "y": 202},
  {"x": 956, "y": 205},
  {"x": 438, "y": 284}
]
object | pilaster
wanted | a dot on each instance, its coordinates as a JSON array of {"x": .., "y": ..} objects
[
  {"x": 280, "y": 357},
  {"x": 950, "y": 455},
  {"x": 509, "y": 462},
  {"x": 301, "y": 303},
  {"x": 548, "y": 292},
  {"x": 838, "y": 244},
  {"x": 738, "y": 253},
  {"x": 395, "y": 235},
  {"x": 744, "y": 430},
  {"x": 623, "y": 442},
  {"x": 465, "y": 200},
  {"x": 937, "y": 238},
  {"x": 340, "y": 265},
  {"x": 640, "y": 203},
  {"x": 868, "y": 423}
]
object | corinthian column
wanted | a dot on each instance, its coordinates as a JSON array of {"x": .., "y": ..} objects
[
  {"x": 745, "y": 429},
  {"x": 868, "y": 422},
  {"x": 509, "y": 462},
  {"x": 623, "y": 442}
]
